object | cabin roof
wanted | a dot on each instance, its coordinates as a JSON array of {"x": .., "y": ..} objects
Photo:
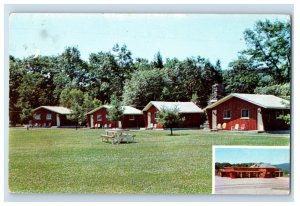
[
  {"x": 183, "y": 107},
  {"x": 128, "y": 110},
  {"x": 262, "y": 100},
  {"x": 56, "y": 109}
]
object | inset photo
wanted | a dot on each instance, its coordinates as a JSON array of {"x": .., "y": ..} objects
[{"x": 254, "y": 170}]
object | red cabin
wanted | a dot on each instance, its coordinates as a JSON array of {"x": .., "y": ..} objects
[
  {"x": 248, "y": 112},
  {"x": 133, "y": 118},
  {"x": 190, "y": 111},
  {"x": 255, "y": 171},
  {"x": 46, "y": 116}
]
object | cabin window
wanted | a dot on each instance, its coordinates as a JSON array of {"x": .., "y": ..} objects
[
  {"x": 131, "y": 117},
  {"x": 49, "y": 117},
  {"x": 156, "y": 115},
  {"x": 99, "y": 117},
  {"x": 278, "y": 114},
  {"x": 245, "y": 113},
  {"x": 227, "y": 114},
  {"x": 37, "y": 117}
]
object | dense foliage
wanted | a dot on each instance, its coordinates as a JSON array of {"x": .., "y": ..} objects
[
  {"x": 265, "y": 62},
  {"x": 65, "y": 79}
]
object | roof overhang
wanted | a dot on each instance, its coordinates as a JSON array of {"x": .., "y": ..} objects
[
  {"x": 224, "y": 99},
  {"x": 148, "y": 107},
  {"x": 96, "y": 109}
]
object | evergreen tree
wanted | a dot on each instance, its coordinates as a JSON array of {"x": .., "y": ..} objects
[
  {"x": 158, "y": 61},
  {"x": 116, "y": 111}
]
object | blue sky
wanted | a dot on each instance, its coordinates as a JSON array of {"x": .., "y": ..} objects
[
  {"x": 180, "y": 35},
  {"x": 255, "y": 155}
]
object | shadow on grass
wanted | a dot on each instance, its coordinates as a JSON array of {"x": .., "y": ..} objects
[{"x": 120, "y": 143}]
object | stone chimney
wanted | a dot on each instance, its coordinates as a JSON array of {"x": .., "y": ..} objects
[{"x": 217, "y": 93}]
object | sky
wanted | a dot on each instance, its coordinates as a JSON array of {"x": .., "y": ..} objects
[
  {"x": 174, "y": 35},
  {"x": 255, "y": 155}
]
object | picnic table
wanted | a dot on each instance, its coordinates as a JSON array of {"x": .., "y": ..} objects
[{"x": 116, "y": 136}]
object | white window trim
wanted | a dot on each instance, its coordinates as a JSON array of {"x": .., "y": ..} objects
[
  {"x": 131, "y": 117},
  {"x": 155, "y": 115},
  {"x": 242, "y": 114},
  {"x": 35, "y": 116},
  {"x": 224, "y": 114},
  {"x": 49, "y": 118},
  {"x": 280, "y": 113},
  {"x": 98, "y": 118}
]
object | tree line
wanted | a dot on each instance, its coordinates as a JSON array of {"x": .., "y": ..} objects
[{"x": 67, "y": 80}]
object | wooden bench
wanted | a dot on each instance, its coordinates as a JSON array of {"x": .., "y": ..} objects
[
  {"x": 117, "y": 137},
  {"x": 109, "y": 136}
]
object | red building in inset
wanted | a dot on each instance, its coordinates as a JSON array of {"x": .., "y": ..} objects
[
  {"x": 248, "y": 112},
  {"x": 46, "y": 116},
  {"x": 133, "y": 118},
  {"x": 255, "y": 171},
  {"x": 191, "y": 112}
]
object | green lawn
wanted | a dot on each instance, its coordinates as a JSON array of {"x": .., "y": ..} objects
[{"x": 70, "y": 161}]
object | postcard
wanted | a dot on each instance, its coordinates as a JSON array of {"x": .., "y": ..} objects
[{"x": 111, "y": 103}]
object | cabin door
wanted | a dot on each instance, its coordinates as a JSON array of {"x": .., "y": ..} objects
[
  {"x": 119, "y": 124},
  {"x": 57, "y": 120},
  {"x": 92, "y": 120},
  {"x": 260, "y": 124},
  {"x": 149, "y": 119},
  {"x": 214, "y": 119}
]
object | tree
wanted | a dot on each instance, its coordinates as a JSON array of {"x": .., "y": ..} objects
[
  {"x": 194, "y": 75},
  {"x": 269, "y": 47},
  {"x": 286, "y": 118},
  {"x": 242, "y": 77},
  {"x": 30, "y": 95},
  {"x": 36, "y": 86},
  {"x": 210, "y": 75},
  {"x": 169, "y": 118},
  {"x": 158, "y": 61},
  {"x": 115, "y": 112},
  {"x": 79, "y": 102},
  {"x": 142, "y": 64},
  {"x": 105, "y": 76},
  {"x": 194, "y": 98},
  {"x": 280, "y": 90},
  {"x": 15, "y": 80},
  {"x": 74, "y": 68},
  {"x": 123, "y": 57},
  {"x": 144, "y": 86},
  {"x": 73, "y": 99}
]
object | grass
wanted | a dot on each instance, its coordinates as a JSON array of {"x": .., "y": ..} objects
[{"x": 70, "y": 161}]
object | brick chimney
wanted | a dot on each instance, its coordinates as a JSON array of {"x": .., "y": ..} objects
[{"x": 217, "y": 93}]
